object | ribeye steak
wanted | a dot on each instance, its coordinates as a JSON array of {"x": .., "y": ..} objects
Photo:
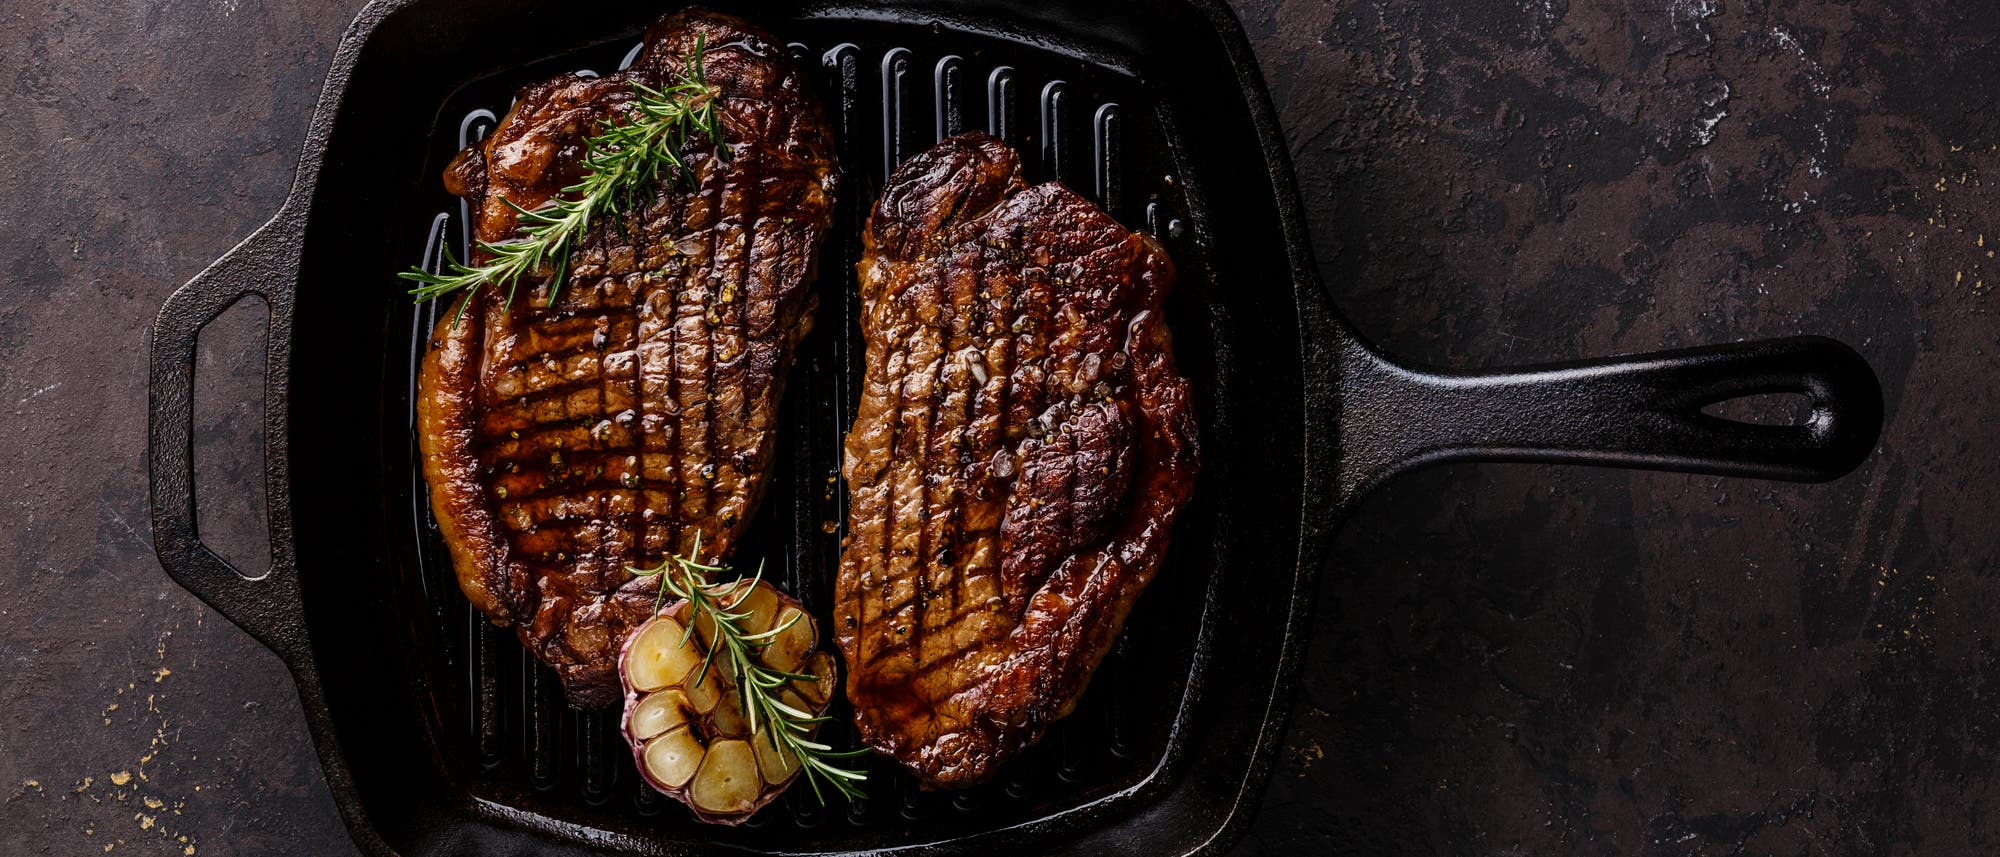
[
  {"x": 564, "y": 443},
  {"x": 1022, "y": 447}
]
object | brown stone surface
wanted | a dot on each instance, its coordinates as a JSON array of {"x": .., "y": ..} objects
[
  {"x": 1507, "y": 659},
  {"x": 1547, "y": 660}
]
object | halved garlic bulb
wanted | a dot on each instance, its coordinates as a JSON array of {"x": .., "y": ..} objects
[{"x": 684, "y": 718}]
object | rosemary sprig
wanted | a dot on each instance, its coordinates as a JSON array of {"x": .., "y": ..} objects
[
  {"x": 620, "y": 163},
  {"x": 757, "y": 686}
]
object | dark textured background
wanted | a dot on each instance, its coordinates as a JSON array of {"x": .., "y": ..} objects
[{"x": 1507, "y": 659}]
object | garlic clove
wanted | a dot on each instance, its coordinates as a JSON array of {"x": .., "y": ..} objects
[
  {"x": 776, "y": 764},
  {"x": 658, "y": 713},
  {"x": 659, "y": 656},
  {"x": 703, "y": 697},
  {"x": 727, "y": 718},
  {"x": 825, "y": 674},
  {"x": 673, "y": 758},
  {"x": 727, "y": 782},
  {"x": 791, "y": 646}
]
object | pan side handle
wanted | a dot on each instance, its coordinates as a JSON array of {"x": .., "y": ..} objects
[
  {"x": 268, "y": 607},
  {"x": 1642, "y": 411}
]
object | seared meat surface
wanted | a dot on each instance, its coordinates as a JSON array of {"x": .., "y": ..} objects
[
  {"x": 1023, "y": 445},
  {"x": 565, "y": 443}
]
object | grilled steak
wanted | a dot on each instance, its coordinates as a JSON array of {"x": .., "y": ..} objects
[
  {"x": 1023, "y": 445},
  {"x": 565, "y": 443}
]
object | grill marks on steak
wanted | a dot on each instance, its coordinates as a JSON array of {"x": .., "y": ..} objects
[
  {"x": 1023, "y": 445},
  {"x": 566, "y": 443}
]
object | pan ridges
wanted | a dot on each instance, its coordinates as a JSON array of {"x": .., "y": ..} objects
[
  {"x": 565, "y": 443},
  {"x": 1022, "y": 447}
]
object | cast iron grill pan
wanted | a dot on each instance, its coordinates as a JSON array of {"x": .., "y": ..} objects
[
  {"x": 438, "y": 735},
  {"x": 891, "y": 91}
]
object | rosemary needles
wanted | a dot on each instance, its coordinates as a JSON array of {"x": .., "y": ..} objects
[{"x": 627, "y": 157}]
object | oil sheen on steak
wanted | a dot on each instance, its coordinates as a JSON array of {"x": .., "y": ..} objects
[
  {"x": 565, "y": 443},
  {"x": 1023, "y": 445}
]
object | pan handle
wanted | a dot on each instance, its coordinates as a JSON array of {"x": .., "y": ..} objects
[
  {"x": 268, "y": 607},
  {"x": 1641, "y": 411}
]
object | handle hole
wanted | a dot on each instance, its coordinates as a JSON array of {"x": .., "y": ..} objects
[
  {"x": 229, "y": 436},
  {"x": 1764, "y": 409}
]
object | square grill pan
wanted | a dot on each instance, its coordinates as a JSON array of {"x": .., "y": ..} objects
[
  {"x": 439, "y": 736},
  {"x": 891, "y": 89}
]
